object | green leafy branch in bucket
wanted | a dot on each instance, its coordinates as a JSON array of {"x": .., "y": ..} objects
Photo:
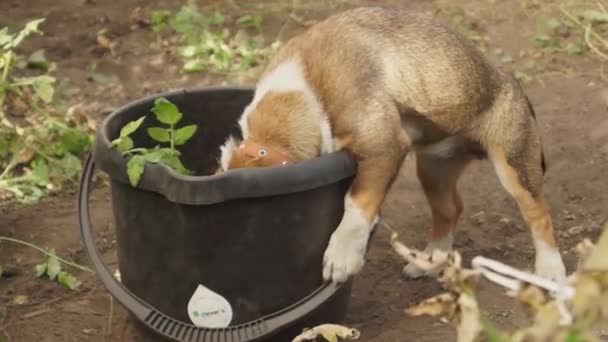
[{"x": 168, "y": 114}]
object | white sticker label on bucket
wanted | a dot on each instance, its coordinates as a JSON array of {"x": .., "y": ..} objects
[{"x": 209, "y": 309}]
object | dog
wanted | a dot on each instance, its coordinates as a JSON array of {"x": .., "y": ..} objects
[{"x": 380, "y": 82}]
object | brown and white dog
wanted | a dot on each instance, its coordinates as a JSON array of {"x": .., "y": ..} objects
[{"x": 379, "y": 83}]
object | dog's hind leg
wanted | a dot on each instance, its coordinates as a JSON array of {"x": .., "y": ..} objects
[
  {"x": 519, "y": 163},
  {"x": 438, "y": 177}
]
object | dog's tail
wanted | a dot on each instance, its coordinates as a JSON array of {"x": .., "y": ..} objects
[{"x": 543, "y": 162}]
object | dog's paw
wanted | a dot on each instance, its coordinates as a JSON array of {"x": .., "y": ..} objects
[
  {"x": 344, "y": 257},
  {"x": 549, "y": 265}
]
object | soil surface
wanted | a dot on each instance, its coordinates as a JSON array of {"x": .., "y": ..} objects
[{"x": 566, "y": 94}]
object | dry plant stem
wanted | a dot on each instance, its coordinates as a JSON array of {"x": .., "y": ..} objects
[
  {"x": 83, "y": 268},
  {"x": 7, "y": 66},
  {"x": 110, "y": 318},
  {"x": 286, "y": 22},
  {"x": 11, "y": 165},
  {"x": 602, "y": 8},
  {"x": 590, "y": 44},
  {"x": 581, "y": 25}
]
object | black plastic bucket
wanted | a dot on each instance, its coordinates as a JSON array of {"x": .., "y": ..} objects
[{"x": 254, "y": 236}]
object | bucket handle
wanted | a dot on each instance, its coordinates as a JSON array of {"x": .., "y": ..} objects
[{"x": 169, "y": 327}]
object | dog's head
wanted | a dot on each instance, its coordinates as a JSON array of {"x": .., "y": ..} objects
[
  {"x": 278, "y": 129},
  {"x": 237, "y": 154}
]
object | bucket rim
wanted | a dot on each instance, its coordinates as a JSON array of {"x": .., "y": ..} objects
[{"x": 233, "y": 184}]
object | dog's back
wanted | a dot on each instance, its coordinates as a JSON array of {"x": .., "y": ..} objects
[{"x": 423, "y": 65}]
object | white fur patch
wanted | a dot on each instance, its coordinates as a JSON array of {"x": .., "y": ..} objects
[
  {"x": 226, "y": 152},
  {"x": 327, "y": 141},
  {"x": 287, "y": 76},
  {"x": 345, "y": 253},
  {"x": 549, "y": 262}
]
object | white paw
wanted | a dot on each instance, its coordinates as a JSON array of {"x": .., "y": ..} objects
[
  {"x": 412, "y": 271},
  {"x": 549, "y": 264},
  {"x": 344, "y": 256}
]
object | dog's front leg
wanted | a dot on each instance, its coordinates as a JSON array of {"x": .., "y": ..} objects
[{"x": 345, "y": 252}]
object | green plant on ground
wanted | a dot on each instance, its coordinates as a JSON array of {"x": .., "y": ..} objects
[
  {"x": 206, "y": 44},
  {"x": 168, "y": 114},
  {"x": 39, "y": 149},
  {"x": 554, "y": 35},
  {"x": 52, "y": 267}
]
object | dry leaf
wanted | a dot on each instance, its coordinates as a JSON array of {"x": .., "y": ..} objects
[
  {"x": 444, "y": 303},
  {"x": 597, "y": 261},
  {"x": 431, "y": 263},
  {"x": 532, "y": 297},
  {"x": 329, "y": 332},
  {"x": 469, "y": 325},
  {"x": 106, "y": 43}
]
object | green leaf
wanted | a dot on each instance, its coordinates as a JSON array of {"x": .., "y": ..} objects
[
  {"x": 166, "y": 112},
  {"x": 159, "y": 17},
  {"x": 40, "y": 269},
  {"x": 30, "y": 27},
  {"x": 40, "y": 172},
  {"x": 221, "y": 60},
  {"x": 154, "y": 156},
  {"x": 254, "y": 21},
  {"x": 135, "y": 168},
  {"x": 5, "y": 145},
  {"x": 71, "y": 163},
  {"x": 575, "y": 49},
  {"x": 594, "y": 16},
  {"x": 491, "y": 332},
  {"x": 76, "y": 141},
  {"x": 5, "y": 37},
  {"x": 189, "y": 51},
  {"x": 572, "y": 336},
  {"x": 125, "y": 144},
  {"x": 183, "y": 134},
  {"x": 38, "y": 60},
  {"x": 187, "y": 19},
  {"x": 159, "y": 134},
  {"x": 53, "y": 267},
  {"x": 216, "y": 19},
  {"x": 99, "y": 78},
  {"x": 67, "y": 280},
  {"x": 173, "y": 161},
  {"x": 194, "y": 65},
  {"x": 43, "y": 86},
  {"x": 131, "y": 127}
]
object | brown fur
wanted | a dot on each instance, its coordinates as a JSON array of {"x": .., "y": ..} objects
[{"x": 392, "y": 82}]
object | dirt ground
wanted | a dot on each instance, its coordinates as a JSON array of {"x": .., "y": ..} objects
[{"x": 573, "y": 120}]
